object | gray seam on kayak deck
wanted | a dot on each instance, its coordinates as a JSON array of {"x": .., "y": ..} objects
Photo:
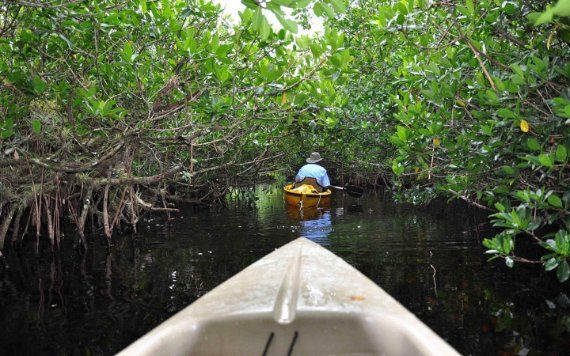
[{"x": 286, "y": 301}]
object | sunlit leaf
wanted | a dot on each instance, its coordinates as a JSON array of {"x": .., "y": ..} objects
[
  {"x": 561, "y": 153},
  {"x": 555, "y": 201},
  {"x": 551, "y": 264},
  {"x": 290, "y": 25},
  {"x": 546, "y": 160},
  {"x": 39, "y": 85}
]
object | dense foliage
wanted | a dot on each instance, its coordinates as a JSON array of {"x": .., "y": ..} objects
[
  {"x": 107, "y": 104},
  {"x": 469, "y": 99},
  {"x": 106, "y": 101}
]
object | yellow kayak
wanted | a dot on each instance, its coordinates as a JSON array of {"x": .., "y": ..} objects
[{"x": 306, "y": 196}]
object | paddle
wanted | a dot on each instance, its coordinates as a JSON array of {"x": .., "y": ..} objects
[{"x": 351, "y": 190}]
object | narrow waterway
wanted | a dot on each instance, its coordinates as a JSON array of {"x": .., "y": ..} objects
[{"x": 429, "y": 258}]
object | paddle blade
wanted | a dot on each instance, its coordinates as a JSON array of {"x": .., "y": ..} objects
[{"x": 354, "y": 191}]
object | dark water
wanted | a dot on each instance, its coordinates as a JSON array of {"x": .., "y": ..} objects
[{"x": 430, "y": 259}]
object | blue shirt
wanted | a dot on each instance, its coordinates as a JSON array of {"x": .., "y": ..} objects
[{"x": 312, "y": 170}]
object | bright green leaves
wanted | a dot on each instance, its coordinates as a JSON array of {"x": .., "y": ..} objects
[
  {"x": 501, "y": 246},
  {"x": 342, "y": 59},
  {"x": 506, "y": 113},
  {"x": 468, "y": 9},
  {"x": 323, "y": 9},
  {"x": 261, "y": 25},
  {"x": 560, "y": 253},
  {"x": 555, "y": 201},
  {"x": 546, "y": 160},
  {"x": 104, "y": 108},
  {"x": 533, "y": 144},
  {"x": 515, "y": 221},
  {"x": 268, "y": 71},
  {"x": 39, "y": 85},
  {"x": 36, "y": 126},
  {"x": 401, "y": 136},
  {"x": 6, "y": 128},
  {"x": 289, "y": 25},
  {"x": 561, "y": 153},
  {"x": 143, "y": 8},
  {"x": 222, "y": 73},
  {"x": 128, "y": 53},
  {"x": 397, "y": 167},
  {"x": 561, "y": 9},
  {"x": 189, "y": 42},
  {"x": 338, "y": 5}
]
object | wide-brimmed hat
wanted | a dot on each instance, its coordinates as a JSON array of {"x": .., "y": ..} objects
[{"x": 314, "y": 158}]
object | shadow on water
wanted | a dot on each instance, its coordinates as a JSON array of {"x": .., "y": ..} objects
[{"x": 429, "y": 258}]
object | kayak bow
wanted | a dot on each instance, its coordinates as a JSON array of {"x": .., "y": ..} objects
[{"x": 301, "y": 300}]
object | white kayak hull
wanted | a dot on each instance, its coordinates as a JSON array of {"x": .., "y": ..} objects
[{"x": 299, "y": 300}]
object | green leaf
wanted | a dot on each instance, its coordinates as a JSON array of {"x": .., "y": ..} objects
[
  {"x": 492, "y": 96},
  {"x": 563, "y": 271},
  {"x": 6, "y": 134},
  {"x": 546, "y": 160},
  {"x": 561, "y": 153},
  {"x": 470, "y": 7},
  {"x": 551, "y": 264},
  {"x": 37, "y": 126},
  {"x": 325, "y": 9},
  {"x": 289, "y": 25},
  {"x": 318, "y": 9},
  {"x": 533, "y": 144},
  {"x": 500, "y": 207},
  {"x": 142, "y": 6},
  {"x": 544, "y": 17},
  {"x": 66, "y": 40},
  {"x": 328, "y": 10},
  {"x": 38, "y": 84},
  {"x": 250, "y": 4},
  {"x": 397, "y": 167},
  {"x": 402, "y": 132},
  {"x": 507, "y": 244},
  {"x": 339, "y": 5},
  {"x": 257, "y": 19},
  {"x": 128, "y": 51},
  {"x": 282, "y": 2},
  {"x": 506, "y": 113},
  {"x": 510, "y": 171},
  {"x": 555, "y": 201},
  {"x": 7, "y": 128},
  {"x": 562, "y": 8}
]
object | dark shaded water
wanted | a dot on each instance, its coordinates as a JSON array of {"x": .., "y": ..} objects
[{"x": 430, "y": 259}]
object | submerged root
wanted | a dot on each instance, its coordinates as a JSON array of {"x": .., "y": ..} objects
[{"x": 6, "y": 224}]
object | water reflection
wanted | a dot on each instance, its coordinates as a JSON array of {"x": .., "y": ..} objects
[
  {"x": 429, "y": 258},
  {"x": 314, "y": 223}
]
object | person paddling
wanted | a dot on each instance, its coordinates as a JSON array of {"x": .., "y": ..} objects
[{"x": 313, "y": 174}]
